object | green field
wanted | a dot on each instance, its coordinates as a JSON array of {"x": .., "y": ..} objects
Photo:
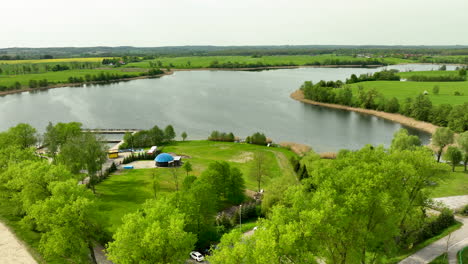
[
  {"x": 455, "y": 184},
  {"x": 403, "y": 90},
  {"x": 205, "y": 61},
  {"x": 60, "y": 76},
  {"x": 125, "y": 191}
]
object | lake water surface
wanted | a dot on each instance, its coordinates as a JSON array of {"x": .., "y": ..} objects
[{"x": 201, "y": 101}]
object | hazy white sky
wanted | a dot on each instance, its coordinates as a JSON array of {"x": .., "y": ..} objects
[{"x": 56, "y": 23}]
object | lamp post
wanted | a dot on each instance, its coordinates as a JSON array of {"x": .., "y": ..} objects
[{"x": 240, "y": 216}]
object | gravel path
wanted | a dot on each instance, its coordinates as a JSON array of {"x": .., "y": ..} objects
[
  {"x": 12, "y": 251},
  {"x": 453, "y": 202}
]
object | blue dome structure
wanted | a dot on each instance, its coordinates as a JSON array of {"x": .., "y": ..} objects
[{"x": 163, "y": 159}]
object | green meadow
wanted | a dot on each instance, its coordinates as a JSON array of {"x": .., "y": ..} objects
[
  {"x": 125, "y": 191},
  {"x": 60, "y": 76},
  {"x": 205, "y": 61},
  {"x": 404, "y": 89}
]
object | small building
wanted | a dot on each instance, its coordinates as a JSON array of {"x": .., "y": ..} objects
[
  {"x": 152, "y": 150},
  {"x": 177, "y": 161},
  {"x": 163, "y": 160},
  {"x": 113, "y": 154}
]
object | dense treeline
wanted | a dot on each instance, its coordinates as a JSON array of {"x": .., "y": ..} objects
[
  {"x": 390, "y": 75},
  {"x": 32, "y": 68},
  {"x": 420, "y": 107},
  {"x": 441, "y": 78},
  {"x": 232, "y": 65},
  {"x": 415, "y": 52},
  {"x": 147, "y": 138},
  {"x": 221, "y": 136}
]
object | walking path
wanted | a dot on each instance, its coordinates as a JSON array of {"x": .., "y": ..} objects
[
  {"x": 12, "y": 251},
  {"x": 454, "y": 242}
]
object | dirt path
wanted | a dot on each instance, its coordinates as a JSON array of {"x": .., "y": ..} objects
[
  {"x": 12, "y": 251},
  {"x": 404, "y": 120}
]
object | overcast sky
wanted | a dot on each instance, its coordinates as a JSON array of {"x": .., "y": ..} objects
[{"x": 57, "y": 23}]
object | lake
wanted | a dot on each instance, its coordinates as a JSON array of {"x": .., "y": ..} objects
[{"x": 199, "y": 102}]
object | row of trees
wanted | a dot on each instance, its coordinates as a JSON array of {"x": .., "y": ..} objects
[
  {"x": 34, "y": 68},
  {"x": 420, "y": 107},
  {"x": 390, "y": 75},
  {"x": 440, "y": 78},
  {"x": 147, "y": 138},
  {"x": 221, "y": 136}
]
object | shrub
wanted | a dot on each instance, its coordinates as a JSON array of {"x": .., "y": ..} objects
[{"x": 221, "y": 136}]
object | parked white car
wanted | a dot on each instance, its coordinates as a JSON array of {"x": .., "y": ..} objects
[{"x": 197, "y": 256}]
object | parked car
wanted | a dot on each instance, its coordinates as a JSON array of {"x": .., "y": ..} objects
[{"x": 197, "y": 256}]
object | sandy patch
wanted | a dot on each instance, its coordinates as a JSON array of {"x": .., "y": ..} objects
[
  {"x": 141, "y": 164},
  {"x": 407, "y": 121},
  {"x": 12, "y": 251},
  {"x": 243, "y": 157},
  {"x": 299, "y": 149}
]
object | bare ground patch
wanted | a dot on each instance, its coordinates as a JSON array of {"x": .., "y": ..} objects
[{"x": 243, "y": 157}]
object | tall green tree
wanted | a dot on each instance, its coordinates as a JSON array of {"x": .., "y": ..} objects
[
  {"x": 259, "y": 169},
  {"x": 66, "y": 221},
  {"x": 187, "y": 167},
  {"x": 228, "y": 183},
  {"x": 463, "y": 144},
  {"x": 58, "y": 134},
  {"x": 442, "y": 137},
  {"x": 23, "y": 135},
  {"x": 184, "y": 135},
  {"x": 454, "y": 156},
  {"x": 169, "y": 133},
  {"x": 403, "y": 141},
  {"x": 155, "y": 234},
  {"x": 422, "y": 107}
]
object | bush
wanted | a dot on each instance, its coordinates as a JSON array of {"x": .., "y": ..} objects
[
  {"x": 464, "y": 210},
  {"x": 221, "y": 136},
  {"x": 257, "y": 139},
  {"x": 436, "y": 226},
  {"x": 140, "y": 156}
]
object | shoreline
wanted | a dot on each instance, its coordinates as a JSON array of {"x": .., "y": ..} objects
[
  {"x": 172, "y": 71},
  {"x": 298, "y": 95}
]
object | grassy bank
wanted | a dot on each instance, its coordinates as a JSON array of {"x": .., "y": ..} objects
[{"x": 125, "y": 191}]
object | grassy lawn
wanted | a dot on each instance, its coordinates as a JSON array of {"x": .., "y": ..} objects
[
  {"x": 125, "y": 191},
  {"x": 403, "y": 90},
  {"x": 455, "y": 184},
  {"x": 442, "y": 259},
  {"x": 58, "y": 77},
  {"x": 464, "y": 255}
]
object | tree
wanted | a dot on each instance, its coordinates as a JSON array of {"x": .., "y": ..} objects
[
  {"x": 169, "y": 133},
  {"x": 58, "y": 134},
  {"x": 175, "y": 177},
  {"x": 187, "y": 167},
  {"x": 23, "y": 135},
  {"x": 392, "y": 106},
  {"x": 154, "y": 234},
  {"x": 85, "y": 152},
  {"x": 463, "y": 144},
  {"x": 462, "y": 72},
  {"x": 228, "y": 183},
  {"x": 66, "y": 220},
  {"x": 183, "y": 135},
  {"x": 259, "y": 168},
  {"x": 422, "y": 107},
  {"x": 403, "y": 141},
  {"x": 436, "y": 89},
  {"x": 442, "y": 137},
  {"x": 454, "y": 155}
]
